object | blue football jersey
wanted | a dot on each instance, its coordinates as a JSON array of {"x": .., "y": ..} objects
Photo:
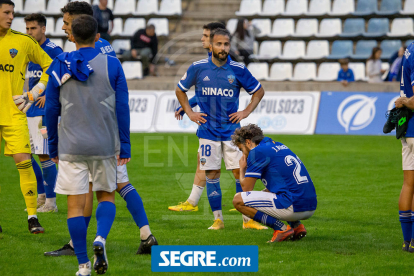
[
  {"x": 35, "y": 72},
  {"x": 407, "y": 82},
  {"x": 283, "y": 174},
  {"x": 105, "y": 47},
  {"x": 217, "y": 91}
]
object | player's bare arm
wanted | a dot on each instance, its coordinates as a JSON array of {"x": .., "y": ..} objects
[
  {"x": 196, "y": 117},
  {"x": 247, "y": 183},
  {"x": 255, "y": 100}
]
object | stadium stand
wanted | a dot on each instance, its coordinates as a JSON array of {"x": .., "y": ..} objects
[
  {"x": 317, "y": 49},
  {"x": 319, "y": 7},
  {"x": 132, "y": 25},
  {"x": 161, "y": 26},
  {"x": 389, "y": 47},
  {"x": 353, "y": 27},
  {"x": 304, "y": 71},
  {"x": 330, "y": 28},
  {"x": 341, "y": 49},
  {"x": 147, "y": 7},
  {"x": 363, "y": 49},
  {"x": 54, "y": 6},
  {"x": 260, "y": 70},
  {"x": 408, "y": 7},
  {"x": 377, "y": 27},
  {"x": 269, "y": 50},
  {"x": 124, "y": 7},
  {"x": 293, "y": 50},
  {"x": 31, "y": 6},
  {"x": 132, "y": 69},
  {"x": 390, "y": 7},
  {"x": 69, "y": 46},
  {"x": 273, "y": 7},
  {"x": 264, "y": 26},
  {"x": 96, "y": 2},
  {"x": 58, "y": 28},
  {"x": 50, "y": 26},
  {"x": 19, "y": 25},
  {"x": 117, "y": 29},
  {"x": 366, "y": 7},
  {"x": 281, "y": 71},
  {"x": 341, "y": 7},
  {"x": 18, "y": 6},
  {"x": 121, "y": 44},
  {"x": 283, "y": 28},
  {"x": 170, "y": 7},
  {"x": 359, "y": 70},
  {"x": 328, "y": 71},
  {"x": 296, "y": 7},
  {"x": 306, "y": 27},
  {"x": 250, "y": 7},
  {"x": 57, "y": 41},
  {"x": 401, "y": 27}
]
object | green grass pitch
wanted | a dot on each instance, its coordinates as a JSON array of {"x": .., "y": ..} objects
[{"x": 355, "y": 230}]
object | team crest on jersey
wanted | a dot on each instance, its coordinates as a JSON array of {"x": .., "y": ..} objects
[
  {"x": 231, "y": 78},
  {"x": 13, "y": 52},
  {"x": 203, "y": 161},
  {"x": 65, "y": 78}
]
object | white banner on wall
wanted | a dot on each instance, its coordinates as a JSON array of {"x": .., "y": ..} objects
[{"x": 142, "y": 106}]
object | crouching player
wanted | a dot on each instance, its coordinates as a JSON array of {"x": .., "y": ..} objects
[{"x": 289, "y": 194}]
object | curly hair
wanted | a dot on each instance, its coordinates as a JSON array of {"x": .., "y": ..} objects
[
  {"x": 77, "y": 8},
  {"x": 250, "y": 132}
]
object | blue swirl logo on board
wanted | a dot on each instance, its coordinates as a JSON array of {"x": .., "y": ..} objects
[
  {"x": 279, "y": 122},
  {"x": 356, "y": 112}
]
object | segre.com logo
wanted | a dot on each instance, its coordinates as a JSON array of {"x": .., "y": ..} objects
[{"x": 205, "y": 258}]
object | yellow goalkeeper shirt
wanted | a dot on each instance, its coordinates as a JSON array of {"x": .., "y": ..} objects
[{"x": 16, "y": 50}]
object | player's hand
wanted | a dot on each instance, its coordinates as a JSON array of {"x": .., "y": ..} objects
[
  {"x": 177, "y": 114},
  {"x": 235, "y": 118},
  {"x": 25, "y": 101},
  {"x": 243, "y": 163},
  {"x": 400, "y": 102},
  {"x": 55, "y": 160},
  {"x": 197, "y": 118},
  {"x": 41, "y": 101},
  {"x": 122, "y": 161}
]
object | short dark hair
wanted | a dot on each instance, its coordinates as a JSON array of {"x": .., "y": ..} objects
[
  {"x": 77, "y": 8},
  {"x": 343, "y": 61},
  {"x": 7, "y": 2},
  {"x": 150, "y": 26},
  {"x": 38, "y": 17},
  {"x": 84, "y": 29},
  {"x": 219, "y": 31},
  {"x": 250, "y": 132},
  {"x": 214, "y": 25}
]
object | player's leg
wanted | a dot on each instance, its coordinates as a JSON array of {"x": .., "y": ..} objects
[
  {"x": 41, "y": 194},
  {"x": 198, "y": 187},
  {"x": 104, "y": 184},
  {"x": 136, "y": 208},
  {"x": 49, "y": 176},
  {"x": 406, "y": 196}
]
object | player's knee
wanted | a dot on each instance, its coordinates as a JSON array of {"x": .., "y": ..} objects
[{"x": 238, "y": 201}]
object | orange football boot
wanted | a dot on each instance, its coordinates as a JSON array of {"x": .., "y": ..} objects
[{"x": 279, "y": 235}]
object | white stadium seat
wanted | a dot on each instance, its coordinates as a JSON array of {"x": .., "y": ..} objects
[
  {"x": 269, "y": 50},
  {"x": 408, "y": 7},
  {"x": 57, "y": 41},
  {"x": 280, "y": 71},
  {"x": 132, "y": 69},
  {"x": 319, "y": 7},
  {"x": 132, "y": 25},
  {"x": 342, "y": 7},
  {"x": 117, "y": 29},
  {"x": 18, "y": 6},
  {"x": 401, "y": 27},
  {"x": 283, "y": 27},
  {"x": 296, "y": 7},
  {"x": 58, "y": 27},
  {"x": 19, "y": 25},
  {"x": 250, "y": 7},
  {"x": 317, "y": 49},
  {"x": 69, "y": 46},
  {"x": 359, "y": 70},
  {"x": 330, "y": 27},
  {"x": 54, "y": 6},
  {"x": 50, "y": 25},
  {"x": 259, "y": 70},
  {"x": 118, "y": 44},
  {"x": 255, "y": 47},
  {"x": 161, "y": 26},
  {"x": 232, "y": 25},
  {"x": 170, "y": 7},
  {"x": 273, "y": 7},
  {"x": 293, "y": 50},
  {"x": 31, "y": 6},
  {"x": 124, "y": 7},
  {"x": 304, "y": 71},
  {"x": 306, "y": 27},
  {"x": 146, "y": 7},
  {"x": 385, "y": 66},
  {"x": 328, "y": 71},
  {"x": 264, "y": 25}
]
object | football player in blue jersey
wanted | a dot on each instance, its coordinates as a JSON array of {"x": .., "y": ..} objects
[
  {"x": 289, "y": 193},
  {"x": 124, "y": 188},
  {"x": 46, "y": 201},
  {"x": 217, "y": 82},
  {"x": 406, "y": 209}
]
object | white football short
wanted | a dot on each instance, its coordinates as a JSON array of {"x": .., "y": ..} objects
[
  {"x": 121, "y": 174},
  {"x": 211, "y": 153},
  {"x": 38, "y": 143},
  {"x": 73, "y": 176},
  {"x": 407, "y": 153},
  {"x": 265, "y": 202}
]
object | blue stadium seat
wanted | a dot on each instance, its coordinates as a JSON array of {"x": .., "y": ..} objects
[
  {"x": 389, "y": 47},
  {"x": 363, "y": 49},
  {"x": 408, "y": 42},
  {"x": 353, "y": 27},
  {"x": 366, "y": 7},
  {"x": 377, "y": 27},
  {"x": 389, "y": 7},
  {"x": 341, "y": 49}
]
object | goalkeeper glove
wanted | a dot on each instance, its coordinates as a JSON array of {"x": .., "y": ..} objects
[{"x": 25, "y": 101}]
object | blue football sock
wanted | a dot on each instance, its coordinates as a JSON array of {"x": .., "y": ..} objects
[
  {"x": 268, "y": 220},
  {"x": 134, "y": 205},
  {"x": 238, "y": 186},
  {"x": 39, "y": 177},
  {"x": 87, "y": 220},
  {"x": 412, "y": 223},
  {"x": 406, "y": 224},
  {"x": 77, "y": 231},
  {"x": 105, "y": 215},
  {"x": 294, "y": 224},
  {"x": 214, "y": 193},
  {"x": 49, "y": 175}
]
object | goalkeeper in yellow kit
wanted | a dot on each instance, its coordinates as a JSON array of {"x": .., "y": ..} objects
[{"x": 16, "y": 50}]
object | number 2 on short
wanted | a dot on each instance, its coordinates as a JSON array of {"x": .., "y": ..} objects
[{"x": 289, "y": 160}]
